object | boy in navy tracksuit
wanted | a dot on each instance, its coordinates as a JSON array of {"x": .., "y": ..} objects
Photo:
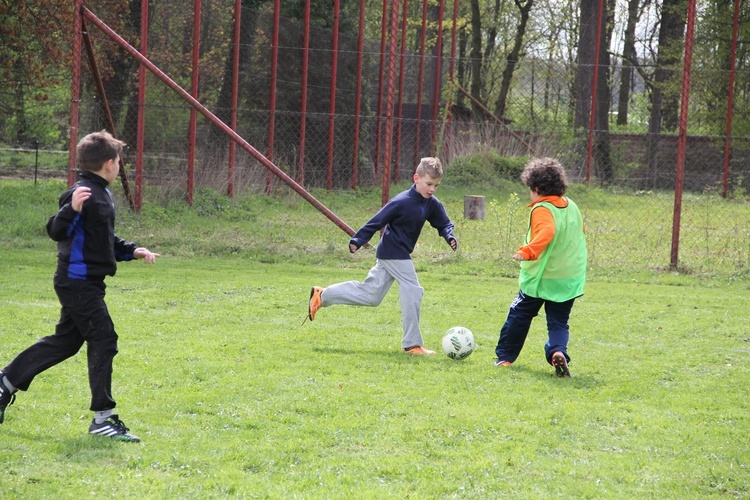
[
  {"x": 88, "y": 249},
  {"x": 402, "y": 219}
]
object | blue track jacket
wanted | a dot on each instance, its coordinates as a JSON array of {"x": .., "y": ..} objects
[{"x": 403, "y": 218}]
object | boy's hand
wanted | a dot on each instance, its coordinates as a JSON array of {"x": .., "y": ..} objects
[
  {"x": 353, "y": 248},
  {"x": 146, "y": 255},
  {"x": 80, "y": 195},
  {"x": 454, "y": 244},
  {"x": 518, "y": 256}
]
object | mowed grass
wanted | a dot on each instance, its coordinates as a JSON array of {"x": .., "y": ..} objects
[{"x": 234, "y": 397}]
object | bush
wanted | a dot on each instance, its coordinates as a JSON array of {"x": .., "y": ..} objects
[{"x": 485, "y": 167}]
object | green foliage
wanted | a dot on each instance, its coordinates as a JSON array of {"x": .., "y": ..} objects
[
  {"x": 485, "y": 167},
  {"x": 629, "y": 234}
]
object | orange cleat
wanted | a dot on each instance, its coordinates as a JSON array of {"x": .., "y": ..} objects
[
  {"x": 315, "y": 301},
  {"x": 418, "y": 350},
  {"x": 502, "y": 363}
]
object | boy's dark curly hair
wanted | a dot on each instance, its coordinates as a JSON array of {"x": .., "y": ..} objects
[{"x": 546, "y": 176}]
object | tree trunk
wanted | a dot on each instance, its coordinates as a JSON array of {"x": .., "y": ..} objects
[
  {"x": 584, "y": 72},
  {"x": 120, "y": 84},
  {"x": 628, "y": 61},
  {"x": 605, "y": 170},
  {"x": 463, "y": 41},
  {"x": 224, "y": 100},
  {"x": 524, "y": 7},
  {"x": 670, "y": 45},
  {"x": 476, "y": 60}
]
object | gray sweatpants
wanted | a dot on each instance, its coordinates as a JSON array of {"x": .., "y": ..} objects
[{"x": 371, "y": 292}]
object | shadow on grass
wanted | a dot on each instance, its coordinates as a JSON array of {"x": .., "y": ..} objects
[{"x": 576, "y": 380}]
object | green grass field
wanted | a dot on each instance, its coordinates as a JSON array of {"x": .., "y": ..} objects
[{"x": 233, "y": 397}]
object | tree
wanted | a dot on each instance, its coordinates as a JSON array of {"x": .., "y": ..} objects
[
  {"x": 664, "y": 98},
  {"x": 586, "y": 65},
  {"x": 30, "y": 60},
  {"x": 629, "y": 60},
  {"x": 524, "y": 7}
]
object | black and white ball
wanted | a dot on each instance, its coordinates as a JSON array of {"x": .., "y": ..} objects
[{"x": 458, "y": 342}]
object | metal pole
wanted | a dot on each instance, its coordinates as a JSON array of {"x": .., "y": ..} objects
[
  {"x": 451, "y": 67},
  {"x": 75, "y": 91},
  {"x": 400, "y": 105},
  {"x": 235, "y": 91},
  {"x": 358, "y": 97},
  {"x": 420, "y": 82},
  {"x": 438, "y": 61},
  {"x": 682, "y": 136},
  {"x": 379, "y": 111},
  {"x": 594, "y": 84},
  {"x": 216, "y": 121},
  {"x": 194, "y": 93},
  {"x": 110, "y": 123},
  {"x": 303, "y": 99},
  {"x": 272, "y": 98},
  {"x": 332, "y": 110},
  {"x": 732, "y": 65},
  {"x": 141, "y": 118},
  {"x": 392, "y": 56},
  {"x": 36, "y": 160}
]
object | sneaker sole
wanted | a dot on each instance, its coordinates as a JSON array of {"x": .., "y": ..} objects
[{"x": 561, "y": 366}]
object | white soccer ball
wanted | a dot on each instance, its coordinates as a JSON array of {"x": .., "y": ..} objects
[{"x": 458, "y": 342}]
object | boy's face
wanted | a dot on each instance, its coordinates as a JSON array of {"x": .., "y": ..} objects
[
  {"x": 426, "y": 185},
  {"x": 110, "y": 169}
]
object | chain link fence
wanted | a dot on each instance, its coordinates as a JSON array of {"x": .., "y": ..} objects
[{"x": 344, "y": 150}]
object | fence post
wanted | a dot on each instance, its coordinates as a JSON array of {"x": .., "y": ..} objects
[{"x": 682, "y": 137}]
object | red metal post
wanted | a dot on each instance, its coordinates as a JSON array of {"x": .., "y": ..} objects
[
  {"x": 332, "y": 110},
  {"x": 682, "y": 135},
  {"x": 381, "y": 73},
  {"x": 303, "y": 98},
  {"x": 594, "y": 84},
  {"x": 391, "y": 87},
  {"x": 400, "y": 105},
  {"x": 75, "y": 92},
  {"x": 216, "y": 121},
  {"x": 194, "y": 93},
  {"x": 272, "y": 98},
  {"x": 438, "y": 61},
  {"x": 732, "y": 65},
  {"x": 141, "y": 119},
  {"x": 358, "y": 97},
  {"x": 235, "y": 92},
  {"x": 110, "y": 123},
  {"x": 420, "y": 82},
  {"x": 451, "y": 68}
]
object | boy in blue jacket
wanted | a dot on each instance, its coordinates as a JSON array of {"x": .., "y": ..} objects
[
  {"x": 87, "y": 251},
  {"x": 401, "y": 219}
]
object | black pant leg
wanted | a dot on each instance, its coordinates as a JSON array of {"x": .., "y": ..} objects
[
  {"x": 91, "y": 316},
  {"x": 46, "y": 352}
]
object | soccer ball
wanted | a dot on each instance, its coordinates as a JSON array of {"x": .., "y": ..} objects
[{"x": 458, "y": 342}]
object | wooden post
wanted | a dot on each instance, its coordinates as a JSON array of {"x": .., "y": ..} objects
[{"x": 474, "y": 207}]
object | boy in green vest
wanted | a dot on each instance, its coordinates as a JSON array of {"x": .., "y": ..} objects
[{"x": 553, "y": 267}]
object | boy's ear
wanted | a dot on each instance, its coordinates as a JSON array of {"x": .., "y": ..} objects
[{"x": 416, "y": 177}]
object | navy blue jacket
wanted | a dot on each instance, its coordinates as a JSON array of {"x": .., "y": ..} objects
[
  {"x": 87, "y": 246},
  {"x": 403, "y": 218}
]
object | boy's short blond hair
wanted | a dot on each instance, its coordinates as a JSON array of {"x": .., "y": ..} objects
[
  {"x": 96, "y": 149},
  {"x": 430, "y": 166}
]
